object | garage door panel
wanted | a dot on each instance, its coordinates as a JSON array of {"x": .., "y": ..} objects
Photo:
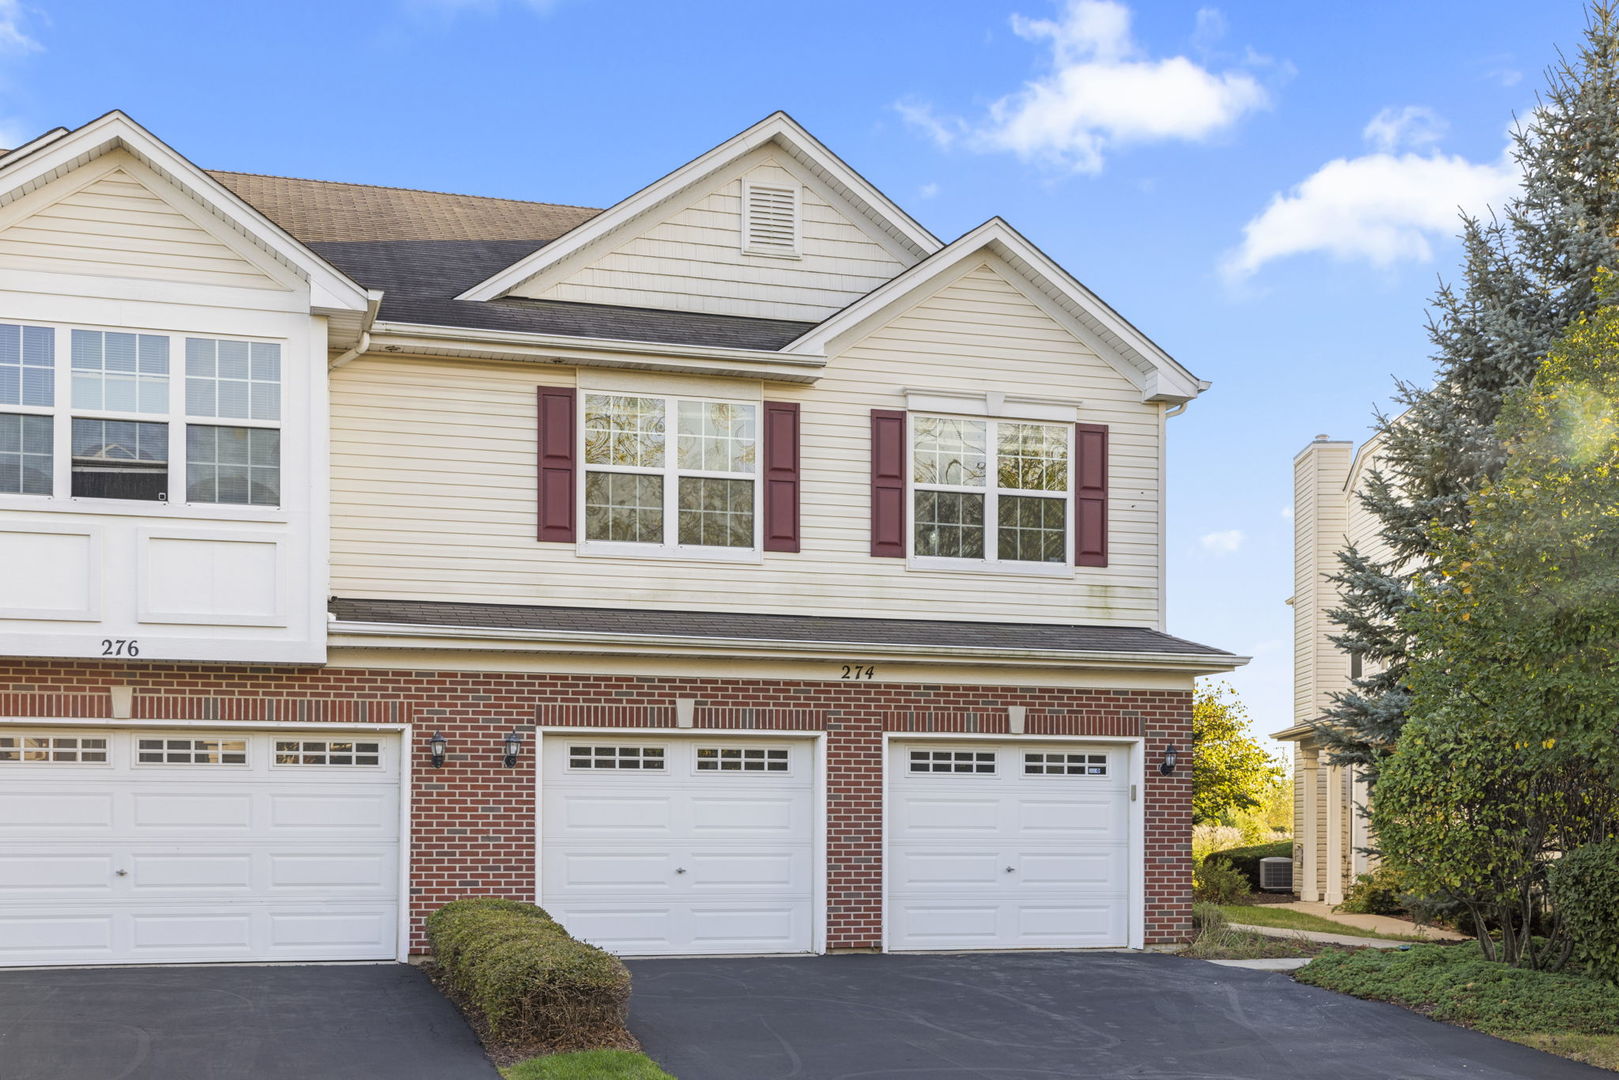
[
  {"x": 942, "y": 815},
  {"x": 1081, "y": 818},
  {"x": 616, "y": 926},
  {"x": 758, "y": 869},
  {"x": 643, "y": 870},
  {"x": 120, "y": 861},
  {"x": 602, "y": 814},
  {"x": 1073, "y": 869},
  {"x": 945, "y": 925},
  {"x": 947, "y": 867},
  {"x": 1097, "y": 924},
  {"x": 738, "y": 928},
  {"x": 786, "y": 814}
]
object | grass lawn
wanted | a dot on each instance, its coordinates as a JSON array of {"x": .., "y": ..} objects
[
  {"x": 1288, "y": 919},
  {"x": 587, "y": 1065},
  {"x": 1224, "y": 943},
  {"x": 1560, "y": 1012}
]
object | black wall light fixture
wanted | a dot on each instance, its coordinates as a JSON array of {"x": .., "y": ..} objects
[
  {"x": 437, "y": 747},
  {"x": 1171, "y": 756},
  {"x": 513, "y": 746}
]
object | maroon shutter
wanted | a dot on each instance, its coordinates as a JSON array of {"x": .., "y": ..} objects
[
  {"x": 556, "y": 465},
  {"x": 1090, "y": 494},
  {"x": 781, "y": 475},
  {"x": 888, "y": 483}
]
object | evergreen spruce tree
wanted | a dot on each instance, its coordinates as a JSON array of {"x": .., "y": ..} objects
[{"x": 1527, "y": 275}]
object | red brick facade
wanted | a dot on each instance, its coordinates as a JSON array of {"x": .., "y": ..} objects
[{"x": 473, "y": 820}]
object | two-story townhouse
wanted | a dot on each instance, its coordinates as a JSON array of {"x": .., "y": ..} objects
[
  {"x": 1330, "y": 836},
  {"x": 738, "y": 569}
]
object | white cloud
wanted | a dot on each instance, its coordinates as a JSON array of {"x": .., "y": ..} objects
[
  {"x": 1287, "y": 512},
  {"x": 13, "y": 38},
  {"x": 1383, "y": 207},
  {"x": 927, "y": 191},
  {"x": 1415, "y": 127},
  {"x": 1102, "y": 92},
  {"x": 1222, "y": 543}
]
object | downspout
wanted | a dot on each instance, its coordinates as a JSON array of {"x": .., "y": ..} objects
[
  {"x": 1176, "y": 410},
  {"x": 373, "y": 302}
]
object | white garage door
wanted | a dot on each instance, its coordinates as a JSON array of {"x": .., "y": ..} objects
[
  {"x": 1007, "y": 846},
  {"x": 660, "y": 846},
  {"x": 121, "y": 846}
]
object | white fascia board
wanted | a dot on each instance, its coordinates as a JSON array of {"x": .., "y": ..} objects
[
  {"x": 331, "y": 290},
  {"x": 1109, "y": 334},
  {"x": 568, "y": 641},
  {"x": 777, "y": 127},
  {"x": 395, "y": 338}
]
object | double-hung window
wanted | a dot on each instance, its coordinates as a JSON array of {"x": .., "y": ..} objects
[
  {"x": 670, "y": 475},
  {"x": 990, "y": 492},
  {"x": 116, "y": 420}
]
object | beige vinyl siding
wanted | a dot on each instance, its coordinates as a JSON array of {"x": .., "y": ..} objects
[
  {"x": 433, "y": 485},
  {"x": 692, "y": 260},
  {"x": 118, "y": 226},
  {"x": 1319, "y": 523}
]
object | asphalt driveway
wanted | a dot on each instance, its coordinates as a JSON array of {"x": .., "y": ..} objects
[
  {"x": 1020, "y": 1016},
  {"x": 339, "y": 1022}
]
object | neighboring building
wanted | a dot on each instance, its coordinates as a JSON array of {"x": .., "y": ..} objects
[
  {"x": 765, "y": 575},
  {"x": 1329, "y": 826}
]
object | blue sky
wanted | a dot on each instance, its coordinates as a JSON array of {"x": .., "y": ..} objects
[{"x": 1268, "y": 190}]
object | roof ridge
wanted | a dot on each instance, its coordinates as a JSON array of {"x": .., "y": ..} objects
[{"x": 393, "y": 187}]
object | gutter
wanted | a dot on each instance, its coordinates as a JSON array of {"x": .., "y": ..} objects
[
  {"x": 661, "y": 644},
  {"x": 373, "y": 303}
]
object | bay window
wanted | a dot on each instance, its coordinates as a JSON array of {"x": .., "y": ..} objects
[
  {"x": 988, "y": 492},
  {"x": 670, "y": 475}
]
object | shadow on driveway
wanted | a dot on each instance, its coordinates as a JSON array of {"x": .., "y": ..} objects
[
  {"x": 1022, "y": 1016},
  {"x": 365, "y": 1022}
]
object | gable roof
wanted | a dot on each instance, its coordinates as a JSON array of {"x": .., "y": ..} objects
[
  {"x": 1087, "y": 316},
  {"x": 58, "y": 152},
  {"x": 777, "y": 128}
]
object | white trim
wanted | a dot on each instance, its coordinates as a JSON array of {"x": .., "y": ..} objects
[
  {"x": 92, "y": 533},
  {"x": 406, "y": 792},
  {"x": 818, "y": 798},
  {"x": 992, "y": 403},
  {"x": 779, "y": 128},
  {"x": 1136, "y": 917},
  {"x": 1082, "y": 312}
]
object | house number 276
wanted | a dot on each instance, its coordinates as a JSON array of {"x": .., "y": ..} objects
[{"x": 857, "y": 671}]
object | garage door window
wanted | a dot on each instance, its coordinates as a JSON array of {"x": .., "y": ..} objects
[
  {"x": 1065, "y": 764},
  {"x": 191, "y": 751},
  {"x": 616, "y": 757},
  {"x": 62, "y": 749},
  {"x": 754, "y": 759},
  {"x": 952, "y": 761},
  {"x": 326, "y": 752}
]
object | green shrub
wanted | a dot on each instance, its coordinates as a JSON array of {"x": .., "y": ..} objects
[
  {"x": 1215, "y": 881},
  {"x": 1382, "y": 892},
  {"x": 1245, "y": 860},
  {"x": 1208, "y": 918},
  {"x": 525, "y": 977},
  {"x": 1456, "y": 984},
  {"x": 1585, "y": 891}
]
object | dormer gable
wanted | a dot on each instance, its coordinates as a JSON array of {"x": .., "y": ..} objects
[{"x": 770, "y": 224}]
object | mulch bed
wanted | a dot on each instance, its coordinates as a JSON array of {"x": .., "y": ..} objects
[{"x": 503, "y": 1054}]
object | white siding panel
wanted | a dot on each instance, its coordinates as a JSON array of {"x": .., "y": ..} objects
[
  {"x": 692, "y": 260},
  {"x": 433, "y": 481}
]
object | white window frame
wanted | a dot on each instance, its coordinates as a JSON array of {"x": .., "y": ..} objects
[
  {"x": 991, "y": 491},
  {"x": 764, "y": 759},
  {"x": 670, "y": 548},
  {"x": 794, "y": 193},
  {"x": 176, "y": 419}
]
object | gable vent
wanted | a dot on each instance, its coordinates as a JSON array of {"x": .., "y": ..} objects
[{"x": 769, "y": 220}]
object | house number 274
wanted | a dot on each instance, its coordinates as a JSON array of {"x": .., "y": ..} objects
[{"x": 857, "y": 671}]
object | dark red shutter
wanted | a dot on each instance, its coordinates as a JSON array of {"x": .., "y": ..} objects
[
  {"x": 556, "y": 465},
  {"x": 888, "y": 483},
  {"x": 1090, "y": 494},
  {"x": 781, "y": 475}
]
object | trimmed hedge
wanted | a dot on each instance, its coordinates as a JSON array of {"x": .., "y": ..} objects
[
  {"x": 527, "y": 979},
  {"x": 1245, "y": 860},
  {"x": 1585, "y": 889}
]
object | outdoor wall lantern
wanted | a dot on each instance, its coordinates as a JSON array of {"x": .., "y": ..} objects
[
  {"x": 1171, "y": 756},
  {"x": 514, "y": 743},
  {"x": 437, "y": 748}
]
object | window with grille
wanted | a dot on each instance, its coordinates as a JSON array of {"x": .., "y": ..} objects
[
  {"x": 191, "y": 751},
  {"x": 769, "y": 220},
  {"x": 326, "y": 752},
  {"x": 1064, "y": 764},
  {"x": 952, "y": 761},
  {"x": 687, "y": 491},
  {"x": 59, "y": 749},
  {"x": 642, "y": 758},
  {"x": 990, "y": 491},
  {"x": 755, "y": 759}
]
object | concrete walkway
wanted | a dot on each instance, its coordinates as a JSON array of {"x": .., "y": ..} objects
[
  {"x": 1382, "y": 924},
  {"x": 1325, "y": 939}
]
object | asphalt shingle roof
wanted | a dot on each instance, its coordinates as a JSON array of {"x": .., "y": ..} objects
[{"x": 639, "y": 622}]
